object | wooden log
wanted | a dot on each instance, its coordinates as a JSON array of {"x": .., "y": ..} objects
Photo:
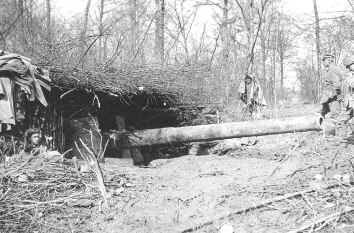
[{"x": 219, "y": 131}]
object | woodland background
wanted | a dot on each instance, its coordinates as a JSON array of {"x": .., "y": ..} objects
[{"x": 252, "y": 36}]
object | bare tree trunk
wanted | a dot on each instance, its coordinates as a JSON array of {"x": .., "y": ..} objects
[
  {"x": 264, "y": 60},
  {"x": 274, "y": 82},
  {"x": 225, "y": 40},
  {"x": 84, "y": 31},
  {"x": 225, "y": 32},
  {"x": 105, "y": 48},
  {"x": 48, "y": 22},
  {"x": 250, "y": 35},
  {"x": 318, "y": 51},
  {"x": 351, "y": 3},
  {"x": 248, "y": 15},
  {"x": 134, "y": 28},
  {"x": 100, "y": 31},
  {"x": 281, "y": 61},
  {"x": 160, "y": 31},
  {"x": 274, "y": 73},
  {"x": 21, "y": 31}
]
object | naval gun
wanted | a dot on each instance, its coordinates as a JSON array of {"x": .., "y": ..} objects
[{"x": 212, "y": 132}]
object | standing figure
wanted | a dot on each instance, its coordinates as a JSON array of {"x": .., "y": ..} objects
[
  {"x": 348, "y": 62},
  {"x": 332, "y": 92},
  {"x": 251, "y": 94}
]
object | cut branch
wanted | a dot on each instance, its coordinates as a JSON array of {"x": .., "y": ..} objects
[{"x": 266, "y": 203}]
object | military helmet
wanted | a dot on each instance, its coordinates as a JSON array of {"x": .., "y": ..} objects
[{"x": 348, "y": 61}]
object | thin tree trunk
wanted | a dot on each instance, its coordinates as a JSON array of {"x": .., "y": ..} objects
[
  {"x": 318, "y": 51},
  {"x": 225, "y": 33},
  {"x": 225, "y": 40},
  {"x": 105, "y": 48},
  {"x": 281, "y": 58},
  {"x": 160, "y": 31},
  {"x": 274, "y": 82},
  {"x": 351, "y": 3},
  {"x": 281, "y": 62},
  {"x": 100, "y": 31},
  {"x": 274, "y": 63},
  {"x": 250, "y": 36},
  {"x": 264, "y": 60},
  {"x": 134, "y": 28},
  {"x": 84, "y": 31},
  {"x": 21, "y": 31},
  {"x": 48, "y": 22}
]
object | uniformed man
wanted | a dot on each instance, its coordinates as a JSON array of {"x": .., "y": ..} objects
[
  {"x": 251, "y": 94},
  {"x": 348, "y": 62},
  {"x": 332, "y": 92}
]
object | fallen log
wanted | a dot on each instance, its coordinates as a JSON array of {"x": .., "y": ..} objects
[{"x": 213, "y": 132}]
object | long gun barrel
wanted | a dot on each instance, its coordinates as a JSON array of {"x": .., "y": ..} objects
[{"x": 213, "y": 132}]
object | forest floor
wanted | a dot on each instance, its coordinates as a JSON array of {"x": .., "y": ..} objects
[{"x": 203, "y": 193}]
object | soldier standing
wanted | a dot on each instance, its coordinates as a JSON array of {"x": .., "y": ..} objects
[
  {"x": 348, "y": 62},
  {"x": 332, "y": 92},
  {"x": 251, "y": 95}
]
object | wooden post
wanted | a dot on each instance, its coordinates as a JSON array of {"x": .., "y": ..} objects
[
  {"x": 134, "y": 153},
  {"x": 120, "y": 125}
]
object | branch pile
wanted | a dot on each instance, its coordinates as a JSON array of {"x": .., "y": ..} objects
[
  {"x": 38, "y": 194},
  {"x": 185, "y": 84}
]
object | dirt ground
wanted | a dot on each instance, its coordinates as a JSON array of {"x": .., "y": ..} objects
[{"x": 175, "y": 195}]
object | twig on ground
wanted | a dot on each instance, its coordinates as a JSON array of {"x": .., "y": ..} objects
[
  {"x": 49, "y": 187},
  {"x": 257, "y": 206},
  {"x": 19, "y": 167},
  {"x": 303, "y": 169},
  {"x": 334, "y": 158},
  {"x": 291, "y": 151},
  {"x": 326, "y": 221}
]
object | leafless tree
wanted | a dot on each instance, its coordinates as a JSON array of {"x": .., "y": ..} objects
[
  {"x": 48, "y": 21},
  {"x": 83, "y": 33},
  {"x": 160, "y": 31},
  {"x": 248, "y": 11},
  {"x": 318, "y": 49},
  {"x": 101, "y": 47},
  {"x": 351, "y": 3},
  {"x": 133, "y": 8}
]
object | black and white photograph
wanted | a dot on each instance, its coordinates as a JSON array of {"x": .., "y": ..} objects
[{"x": 176, "y": 116}]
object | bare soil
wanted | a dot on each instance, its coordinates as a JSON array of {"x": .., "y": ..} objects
[{"x": 173, "y": 195}]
